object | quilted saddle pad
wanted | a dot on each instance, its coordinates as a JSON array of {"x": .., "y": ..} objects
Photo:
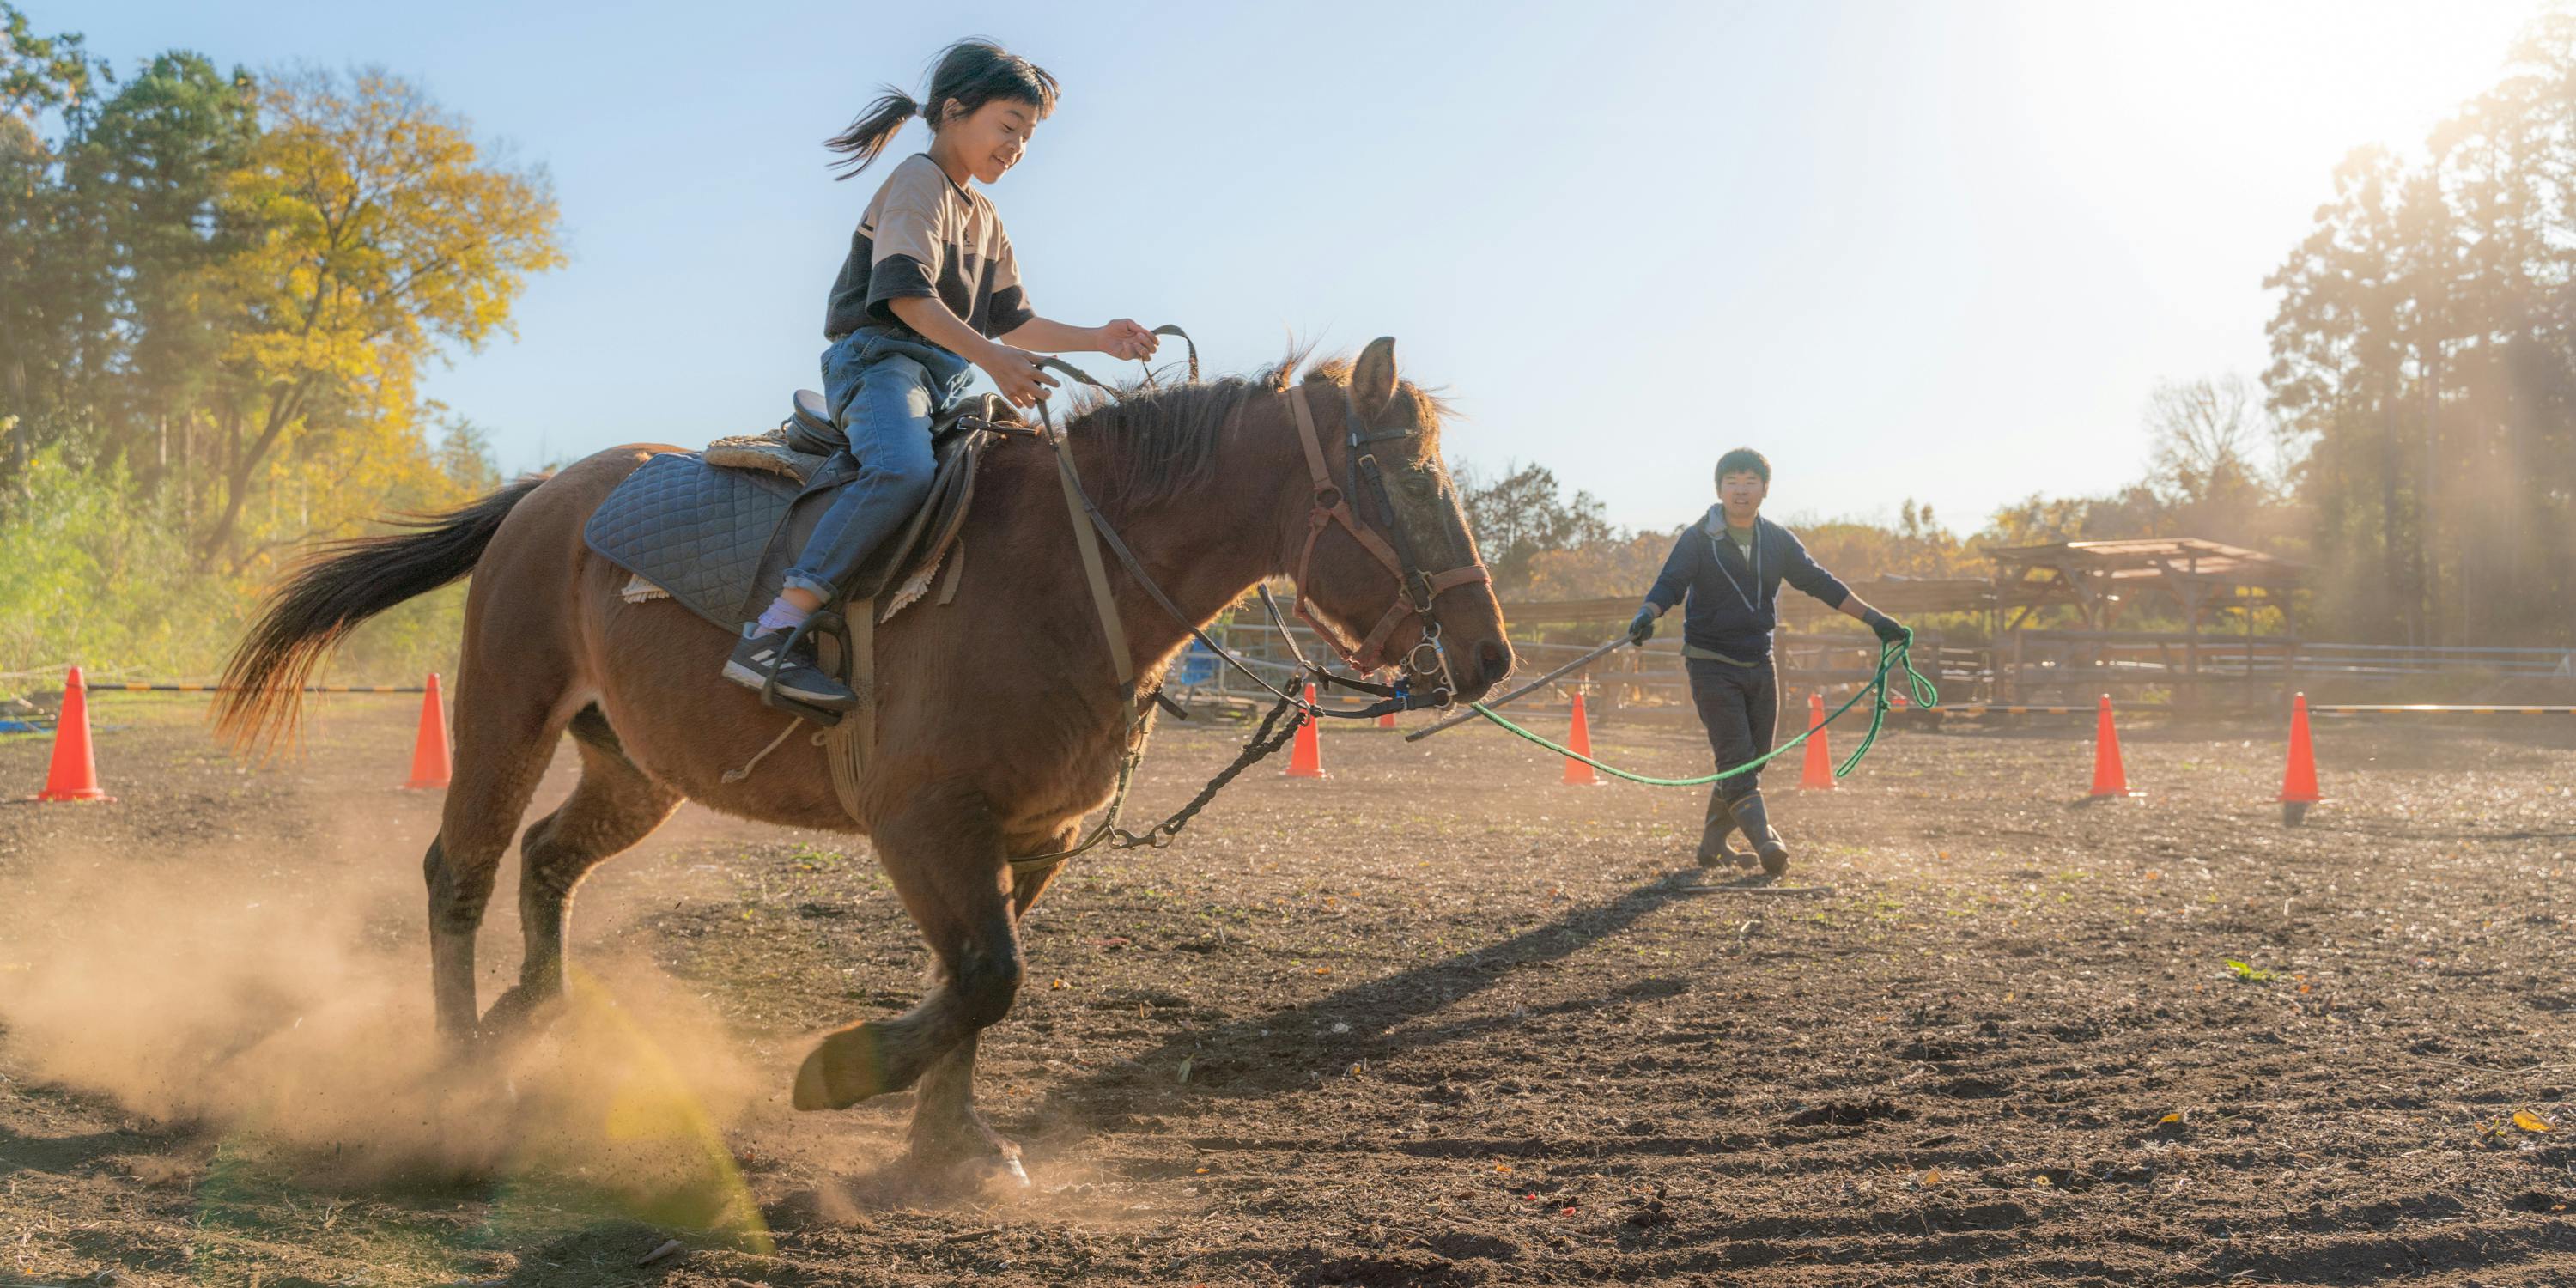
[
  {"x": 720, "y": 540},
  {"x": 698, "y": 531}
]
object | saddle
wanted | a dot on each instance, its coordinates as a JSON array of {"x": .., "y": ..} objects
[{"x": 716, "y": 530}]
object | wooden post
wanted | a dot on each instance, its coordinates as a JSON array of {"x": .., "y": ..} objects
[
  {"x": 2191, "y": 656},
  {"x": 2248, "y": 609},
  {"x": 2290, "y": 667}
]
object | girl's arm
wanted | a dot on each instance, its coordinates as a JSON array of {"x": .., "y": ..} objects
[
  {"x": 1014, "y": 373},
  {"x": 1119, "y": 339}
]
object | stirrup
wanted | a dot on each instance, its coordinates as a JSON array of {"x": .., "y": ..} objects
[{"x": 832, "y": 624}]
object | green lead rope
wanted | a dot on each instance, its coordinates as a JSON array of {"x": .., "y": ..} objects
[{"x": 1892, "y": 657}]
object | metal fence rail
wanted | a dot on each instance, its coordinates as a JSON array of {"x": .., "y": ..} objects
[
  {"x": 1651, "y": 676},
  {"x": 2036, "y": 672}
]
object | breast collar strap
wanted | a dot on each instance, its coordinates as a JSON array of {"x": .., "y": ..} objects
[{"x": 1415, "y": 590}]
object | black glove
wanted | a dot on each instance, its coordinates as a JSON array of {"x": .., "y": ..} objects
[
  {"x": 1889, "y": 630},
  {"x": 1641, "y": 628}
]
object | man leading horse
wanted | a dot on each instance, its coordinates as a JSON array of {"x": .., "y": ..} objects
[{"x": 1727, "y": 568}]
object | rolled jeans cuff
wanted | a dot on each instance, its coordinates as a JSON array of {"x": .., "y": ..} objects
[{"x": 818, "y": 590}]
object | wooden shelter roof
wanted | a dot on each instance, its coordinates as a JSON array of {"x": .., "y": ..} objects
[
  {"x": 2140, "y": 557},
  {"x": 2099, "y": 576},
  {"x": 2087, "y": 574}
]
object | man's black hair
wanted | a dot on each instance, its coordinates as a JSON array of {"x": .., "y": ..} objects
[{"x": 1744, "y": 460}]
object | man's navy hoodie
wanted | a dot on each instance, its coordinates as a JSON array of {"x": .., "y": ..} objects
[{"x": 1733, "y": 604}]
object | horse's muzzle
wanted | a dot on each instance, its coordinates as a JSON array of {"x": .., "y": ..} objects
[{"x": 1477, "y": 670}]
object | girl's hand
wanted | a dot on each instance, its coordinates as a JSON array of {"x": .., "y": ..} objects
[
  {"x": 1125, "y": 339},
  {"x": 1015, "y": 373}
]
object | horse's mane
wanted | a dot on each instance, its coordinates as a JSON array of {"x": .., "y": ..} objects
[{"x": 1163, "y": 439}]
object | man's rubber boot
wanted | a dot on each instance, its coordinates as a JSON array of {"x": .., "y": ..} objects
[
  {"x": 1714, "y": 852},
  {"x": 1757, "y": 829},
  {"x": 763, "y": 652}
]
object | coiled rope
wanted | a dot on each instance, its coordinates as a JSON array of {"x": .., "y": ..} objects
[{"x": 1893, "y": 656}]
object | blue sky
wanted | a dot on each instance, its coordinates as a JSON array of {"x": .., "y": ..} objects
[{"x": 1938, "y": 251}]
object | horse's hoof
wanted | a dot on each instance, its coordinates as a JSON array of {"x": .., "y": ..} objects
[
  {"x": 844, "y": 1069},
  {"x": 458, "y": 1049},
  {"x": 515, "y": 1015},
  {"x": 972, "y": 1157}
]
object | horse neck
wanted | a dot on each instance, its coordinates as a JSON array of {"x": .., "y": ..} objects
[{"x": 1206, "y": 549}]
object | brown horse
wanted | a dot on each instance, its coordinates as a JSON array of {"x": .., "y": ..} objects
[{"x": 999, "y": 722}]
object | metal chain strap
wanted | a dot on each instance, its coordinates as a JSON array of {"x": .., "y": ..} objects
[{"x": 1266, "y": 740}]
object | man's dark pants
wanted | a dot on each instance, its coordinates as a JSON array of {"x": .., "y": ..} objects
[{"x": 1740, "y": 706}]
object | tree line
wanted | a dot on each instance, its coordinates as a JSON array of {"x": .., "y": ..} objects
[
  {"x": 218, "y": 290},
  {"x": 2412, "y": 442},
  {"x": 217, "y": 294},
  {"x": 2424, "y": 360}
]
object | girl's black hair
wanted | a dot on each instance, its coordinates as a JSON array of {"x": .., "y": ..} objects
[{"x": 970, "y": 73}]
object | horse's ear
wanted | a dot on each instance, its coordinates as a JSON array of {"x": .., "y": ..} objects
[{"x": 1373, "y": 379}]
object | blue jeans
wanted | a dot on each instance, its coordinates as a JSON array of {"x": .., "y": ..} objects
[{"x": 882, "y": 388}]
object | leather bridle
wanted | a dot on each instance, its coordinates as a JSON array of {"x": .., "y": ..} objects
[
  {"x": 1415, "y": 589},
  {"x": 1416, "y": 592}
]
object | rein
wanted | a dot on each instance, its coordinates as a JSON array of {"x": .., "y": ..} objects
[
  {"x": 1399, "y": 696},
  {"x": 1414, "y": 593}
]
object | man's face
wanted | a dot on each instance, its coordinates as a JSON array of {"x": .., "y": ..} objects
[{"x": 1742, "y": 493}]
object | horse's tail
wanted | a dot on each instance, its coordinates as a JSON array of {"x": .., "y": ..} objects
[{"x": 341, "y": 585}]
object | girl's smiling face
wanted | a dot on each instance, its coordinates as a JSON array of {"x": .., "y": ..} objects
[{"x": 988, "y": 141}]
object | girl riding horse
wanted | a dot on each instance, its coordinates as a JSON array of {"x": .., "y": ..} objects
[{"x": 930, "y": 290}]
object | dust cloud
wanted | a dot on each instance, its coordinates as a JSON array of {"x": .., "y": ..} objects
[{"x": 289, "y": 1013}]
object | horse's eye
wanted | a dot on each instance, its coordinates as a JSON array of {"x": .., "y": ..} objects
[{"x": 1418, "y": 485}]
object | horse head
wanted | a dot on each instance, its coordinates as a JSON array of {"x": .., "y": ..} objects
[{"x": 1387, "y": 569}]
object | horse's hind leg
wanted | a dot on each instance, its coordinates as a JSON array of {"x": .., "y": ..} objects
[
  {"x": 505, "y": 734},
  {"x": 944, "y": 855},
  {"x": 614, "y": 806}
]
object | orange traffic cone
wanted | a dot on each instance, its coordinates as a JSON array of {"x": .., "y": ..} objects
[
  {"x": 1306, "y": 758},
  {"x": 73, "y": 775},
  {"x": 1386, "y": 721},
  {"x": 1817, "y": 774},
  {"x": 2299, "y": 781},
  {"x": 1579, "y": 773},
  {"x": 429, "y": 749},
  {"x": 2110, "y": 777}
]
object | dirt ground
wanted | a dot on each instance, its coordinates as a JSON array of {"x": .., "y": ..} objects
[{"x": 1436, "y": 1020}]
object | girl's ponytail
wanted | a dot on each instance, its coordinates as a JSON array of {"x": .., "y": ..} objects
[
  {"x": 868, "y": 135},
  {"x": 967, "y": 75}
]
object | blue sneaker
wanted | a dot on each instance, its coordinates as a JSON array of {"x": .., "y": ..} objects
[{"x": 760, "y": 654}]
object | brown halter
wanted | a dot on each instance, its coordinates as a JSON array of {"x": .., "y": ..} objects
[{"x": 1415, "y": 590}]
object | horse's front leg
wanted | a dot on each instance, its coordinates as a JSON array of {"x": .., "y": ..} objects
[
  {"x": 946, "y": 1129},
  {"x": 944, "y": 856}
]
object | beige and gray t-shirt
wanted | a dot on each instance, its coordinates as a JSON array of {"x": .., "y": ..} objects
[{"x": 924, "y": 236}]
